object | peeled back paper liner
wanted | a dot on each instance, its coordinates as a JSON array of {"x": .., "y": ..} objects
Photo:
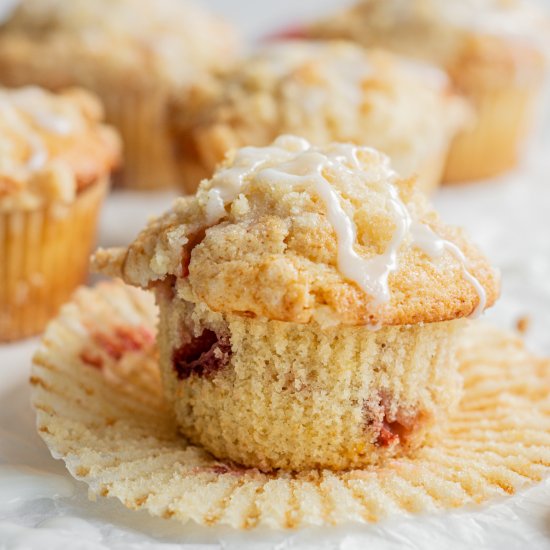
[{"x": 97, "y": 394}]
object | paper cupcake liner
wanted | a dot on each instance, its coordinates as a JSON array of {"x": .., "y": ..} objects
[
  {"x": 96, "y": 391},
  {"x": 43, "y": 258},
  {"x": 140, "y": 118},
  {"x": 494, "y": 143}
]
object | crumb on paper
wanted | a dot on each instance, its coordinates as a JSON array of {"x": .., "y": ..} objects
[{"x": 523, "y": 323}]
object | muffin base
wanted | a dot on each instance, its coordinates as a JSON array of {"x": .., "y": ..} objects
[
  {"x": 98, "y": 398},
  {"x": 270, "y": 394},
  {"x": 44, "y": 256}
]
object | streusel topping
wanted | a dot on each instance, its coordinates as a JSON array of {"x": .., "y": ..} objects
[
  {"x": 324, "y": 91},
  {"x": 436, "y": 30},
  {"x": 298, "y": 233},
  {"x": 51, "y": 145},
  {"x": 163, "y": 39}
]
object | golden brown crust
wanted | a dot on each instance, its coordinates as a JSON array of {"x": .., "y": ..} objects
[
  {"x": 273, "y": 253},
  {"x": 292, "y": 282},
  {"x": 53, "y": 146}
]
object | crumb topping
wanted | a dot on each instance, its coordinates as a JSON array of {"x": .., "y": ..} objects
[
  {"x": 298, "y": 233},
  {"x": 437, "y": 30},
  {"x": 139, "y": 39},
  {"x": 325, "y": 92},
  {"x": 51, "y": 146}
]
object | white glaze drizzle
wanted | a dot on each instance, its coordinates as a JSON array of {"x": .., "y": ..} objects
[
  {"x": 434, "y": 246},
  {"x": 370, "y": 274},
  {"x": 27, "y": 99},
  {"x": 302, "y": 165},
  {"x": 38, "y": 154},
  {"x": 228, "y": 183},
  {"x": 15, "y": 103},
  {"x": 54, "y": 123}
]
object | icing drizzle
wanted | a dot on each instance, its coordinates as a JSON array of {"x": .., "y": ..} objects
[
  {"x": 15, "y": 105},
  {"x": 434, "y": 246},
  {"x": 295, "y": 162}
]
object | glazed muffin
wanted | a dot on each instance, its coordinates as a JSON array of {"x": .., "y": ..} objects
[
  {"x": 324, "y": 92},
  {"x": 493, "y": 50},
  {"x": 132, "y": 53},
  {"x": 55, "y": 161},
  {"x": 310, "y": 301}
]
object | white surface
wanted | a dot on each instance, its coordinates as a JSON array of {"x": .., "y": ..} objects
[{"x": 42, "y": 507}]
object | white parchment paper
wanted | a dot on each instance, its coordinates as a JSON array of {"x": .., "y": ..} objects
[{"x": 42, "y": 508}]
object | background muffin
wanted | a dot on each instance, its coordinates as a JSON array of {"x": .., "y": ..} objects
[
  {"x": 55, "y": 160},
  {"x": 324, "y": 92},
  {"x": 494, "y": 51},
  {"x": 309, "y": 307},
  {"x": 133, "y": 53}
]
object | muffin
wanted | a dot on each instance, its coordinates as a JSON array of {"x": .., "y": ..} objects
[
  {"x": 493, "y": 50},
  {"x": 324, "y": 92},
  {"x": 55, "y": 160},
  {"x": 132, "y": 53},
  {"x": 96, "y": 390},
  {"x": 310, "y": 302}
]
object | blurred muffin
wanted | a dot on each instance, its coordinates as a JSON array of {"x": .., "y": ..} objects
[
  {"x": 493, "y": 50},
  {"x": 309, "y": 305},
  {"x": 132, "y": 53},
  {"x": 324, "y": 92},
  {"x": 55, "y": 160}
]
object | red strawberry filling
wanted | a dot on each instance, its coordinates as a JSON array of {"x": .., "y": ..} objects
[
  {"x": 124, "y": 339},
  {"x": 203, "y": 356},
  {"x": 392, "y": 432},
  {"x": 116, "y": 343},
  {"x": 394, "y": 428}
]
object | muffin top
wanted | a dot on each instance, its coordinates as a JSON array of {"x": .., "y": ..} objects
[
  {"x": 325, "y": 92},
  {"x": 51, "y": 146},
  {"x": 440, "y": 30},
  {"x": 134, "y": 40},
  {"x": 299, "y": 233}
]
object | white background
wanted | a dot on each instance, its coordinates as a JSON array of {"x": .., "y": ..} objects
[{"x": 510, "y": 220}]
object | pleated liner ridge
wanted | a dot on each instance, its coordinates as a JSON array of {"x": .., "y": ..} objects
[
  {"x": 43, "y": 258},
  {"x": 96, "y": 391}
]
